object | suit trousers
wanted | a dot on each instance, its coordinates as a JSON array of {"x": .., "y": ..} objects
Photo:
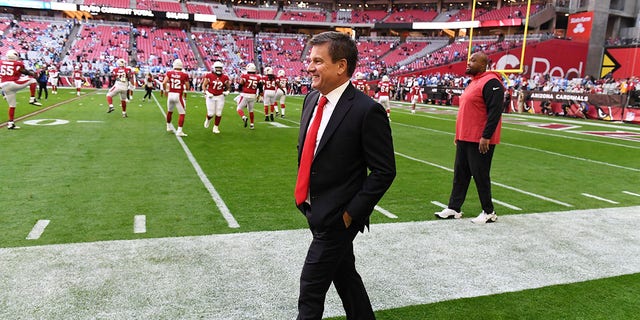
[
  {"x": 330, "y": 259},
  {"x": 471, "y": 163}
]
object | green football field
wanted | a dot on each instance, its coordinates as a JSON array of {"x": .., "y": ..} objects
[{"x": 74, "y": 174}]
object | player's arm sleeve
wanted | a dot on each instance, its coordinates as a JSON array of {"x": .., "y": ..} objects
[{"x": 493, "y": 94}]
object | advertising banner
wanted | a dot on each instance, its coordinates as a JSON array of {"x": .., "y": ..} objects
[
  {"x": 558, "y": 58},
  {"x": 579, "y": 26},
  {"x": 578, "y": 105}
]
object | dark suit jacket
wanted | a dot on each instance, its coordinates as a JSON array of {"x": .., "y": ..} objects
[{"x": 354, "y": 163}]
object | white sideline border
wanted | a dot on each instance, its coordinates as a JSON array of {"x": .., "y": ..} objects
[{"x": 255, "y": 275}]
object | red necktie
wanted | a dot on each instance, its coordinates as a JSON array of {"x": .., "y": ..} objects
[{"x": 308, "y": 150}]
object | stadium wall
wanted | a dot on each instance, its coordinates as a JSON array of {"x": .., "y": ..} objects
[{"x": 559, "y": 58}]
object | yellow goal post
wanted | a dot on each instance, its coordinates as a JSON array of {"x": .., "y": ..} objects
[{"x": 524, "y": 40}]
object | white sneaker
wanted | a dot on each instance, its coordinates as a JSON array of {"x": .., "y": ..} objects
[
  {"x": 169, "y": 127},
  {"x": 483, "y": 218},
  {"x": 251, "y": 126},
  {"x": 447, "y": 213},
  {"x": 413, "y": 112},
  {"x": 215, "y": 129},
  {"x": 179, "y": 133},
  {"x": 12, "y": 126},
  {"x": 207, "y": 121}
]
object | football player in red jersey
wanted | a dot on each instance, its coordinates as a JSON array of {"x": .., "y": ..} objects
[
  {"x": 13, "y": 79},
  {"x": 416, "y": 95},
  {"x": 54, "y": 78},
  {"x": 247, "y": 98},
  {"x": 78, "y": 80},
  {"x": 123, "y": 79},
  {"x": 216, "y": 86},
  {"x": 269, "y": 85},
  {"x": 281, "y": 92},
  {"x": 175, "y": 82},
  {"x": 384, "y": 89},
  {"x": 361, "y": 84}
]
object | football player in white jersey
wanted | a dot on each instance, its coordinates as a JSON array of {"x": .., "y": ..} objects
[
  {"x": 54, "y": 79},
  {"x": 78, "y": 79}
]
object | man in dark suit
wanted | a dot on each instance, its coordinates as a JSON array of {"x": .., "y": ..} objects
[{"x": 348, "y": 167}]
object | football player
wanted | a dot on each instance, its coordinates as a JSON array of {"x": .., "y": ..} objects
[
  {"x": 247, "y": 98},
  {"x": 416, "y": 95},
  {"x": 123, "y": 78},
  {"x": 361, "y": 84},
  {"x": 281, "y": 92},
  {"x": 15, "y": 77},
  {"x": 54, "y": 78},
  {"x": 269, "y": 84},
  {"x": 216, "y": 86},
  {"x": 384, "y": 88},
  {"x": 78, "y": 80},
  {"x": 175, "y": 83},
  {"x": 160, "y": 80}
]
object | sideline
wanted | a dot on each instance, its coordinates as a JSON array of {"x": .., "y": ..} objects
[{"x": 255, "y": 275}]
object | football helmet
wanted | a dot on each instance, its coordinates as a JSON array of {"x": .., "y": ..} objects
[
  {"x": 281, "y": 73},
  {"x": 217, "y": 67},
  {"x": 385, "y": 78},
  {"x": 77, "y": 67},
  {"x": 12, "y": 55},
  {"x": 251, "y": 68},
  {"x": 177, "y": 64},
  {"x": 268, "y": 71},
  {"x": 359, "y": 75},
  {"x": 121, "y": 62}
]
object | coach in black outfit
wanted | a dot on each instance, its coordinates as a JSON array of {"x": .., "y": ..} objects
[{"x": 352, "y": 168}]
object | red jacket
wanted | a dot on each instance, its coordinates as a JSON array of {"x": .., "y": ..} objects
[{"x": 479, "y": 116}]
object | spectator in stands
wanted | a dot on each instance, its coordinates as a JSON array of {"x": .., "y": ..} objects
[
  {"x": 477, "y": 132},
  {"x": 12, "y": 80}
]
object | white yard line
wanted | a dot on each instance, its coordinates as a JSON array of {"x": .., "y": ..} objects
[
  {"x": 504, "y": 204},
  {"x": 599, "y": 198},
  {"x": 541, "y": 197},
  {"x": 140, "y": 223},
  {"x": 255, "y": 275},
  {"x": 573, "y": 158},
  {"x": 631, "y": 193},
  {"x": 38, "y": 229},
  {"x": 385, "y": 212},
  {"x": 440, "y": 204},
  {"x": 222, "y": 206}
]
